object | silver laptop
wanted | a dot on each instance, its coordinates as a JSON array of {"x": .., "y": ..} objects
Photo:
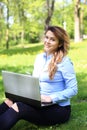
[{"x": 22, "y": 87}]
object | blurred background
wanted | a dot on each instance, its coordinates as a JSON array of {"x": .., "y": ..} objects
[{"x": 24, "y": 21}]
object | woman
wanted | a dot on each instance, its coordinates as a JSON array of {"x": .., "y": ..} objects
[{"x": 57, "y": 82}]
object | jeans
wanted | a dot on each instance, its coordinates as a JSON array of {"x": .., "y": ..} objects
[{"x": 50, "y": 115}]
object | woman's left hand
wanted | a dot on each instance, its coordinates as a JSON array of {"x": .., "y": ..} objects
[{"x": 45, "y": 98}]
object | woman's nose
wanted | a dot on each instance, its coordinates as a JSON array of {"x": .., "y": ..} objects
[{"x": 48, "y": 40}]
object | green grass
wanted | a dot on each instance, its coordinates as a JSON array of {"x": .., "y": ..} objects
[{"x": 21, "y": 60}]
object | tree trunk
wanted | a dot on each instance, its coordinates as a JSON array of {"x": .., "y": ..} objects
[
  {"x": 22, "y": 37},
  {"x": 81, "y": 21},
  {"x": 7, "y": 30},
  {"x": 50, "y": 9},
  {"x": 77, "y": 21},
  {"x": 22, "y": 21}
]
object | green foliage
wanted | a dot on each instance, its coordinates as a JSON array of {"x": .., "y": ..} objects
[
  {"x": 61, "y": 15},
  {"x": 27, "y": 17},
  {"x": 21, "y": 60}
]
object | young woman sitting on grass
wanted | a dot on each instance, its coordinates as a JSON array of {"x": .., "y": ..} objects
[{"x": 58, "y": 85}]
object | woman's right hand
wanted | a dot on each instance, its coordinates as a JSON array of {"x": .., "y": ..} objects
[{"x": 45, "y": 98}]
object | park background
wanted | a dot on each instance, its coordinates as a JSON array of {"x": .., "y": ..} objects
[{"x": 22, "y": 25}]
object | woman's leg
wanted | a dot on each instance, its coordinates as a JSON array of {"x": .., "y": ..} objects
[
  {"x": 55, "y": 115},
  {"x": 10, "y": 116},
  {"x": 44, "y": 116},
  {"x": 16, "y": 112},
  {"x": 8, "y": 119},
  {"x": 41, "y": 116},
  {"x": 5, "y": 105},
  {"x": 3, "y": 108}
]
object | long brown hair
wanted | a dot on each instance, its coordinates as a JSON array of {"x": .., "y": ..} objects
[{"x": 62, "y": 50}]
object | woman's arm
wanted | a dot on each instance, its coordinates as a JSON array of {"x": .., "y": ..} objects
[{"x": 70, "y": 80}]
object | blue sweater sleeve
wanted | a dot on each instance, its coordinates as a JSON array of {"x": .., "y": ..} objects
[{"x": 69, "y": 76}]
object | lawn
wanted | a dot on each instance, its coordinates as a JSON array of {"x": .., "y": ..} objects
[{"x": 19, "y": 59}]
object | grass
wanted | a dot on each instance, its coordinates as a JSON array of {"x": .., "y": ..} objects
[{"x": 21, "y": 60}]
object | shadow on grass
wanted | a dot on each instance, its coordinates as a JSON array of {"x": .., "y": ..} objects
[
  {"x": 19, "y": 69},
  {"x": 31, "y": 50}
]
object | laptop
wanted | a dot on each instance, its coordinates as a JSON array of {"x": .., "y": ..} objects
[{"x": 22, "y": 87}]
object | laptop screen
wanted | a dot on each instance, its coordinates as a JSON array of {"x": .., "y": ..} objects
[{"x": 21, "y": 85}]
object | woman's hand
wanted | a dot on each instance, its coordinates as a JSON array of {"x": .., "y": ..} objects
[{"x": 45, "y": 98}]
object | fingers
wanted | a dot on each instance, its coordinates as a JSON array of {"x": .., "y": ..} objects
[{"x": 45, "y": 98}]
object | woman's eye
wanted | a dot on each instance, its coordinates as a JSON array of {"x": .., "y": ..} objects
[
  {"x": 46, "y": 37},
  {"x": 52, "y": 39}
]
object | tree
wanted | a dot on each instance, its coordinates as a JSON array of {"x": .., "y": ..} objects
[
  {"x": 83, "y": 18},
  {"x": 31, "y": 17},
  {"x": 6, "y": 5},
  {"x": 7, "y": 30},
  {"x": 2, "y": 23},
  {"x": 50, "y": 9},
  {"x": 77, "y": 21}
]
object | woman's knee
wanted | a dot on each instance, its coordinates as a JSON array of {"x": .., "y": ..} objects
[{"x": 8, "y": 102}]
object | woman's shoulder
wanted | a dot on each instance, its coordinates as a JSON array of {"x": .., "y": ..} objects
[
  {"x": 66, "y": 62},
  {"x": 41, "y": 55},
  {"x": 66, "y": 59}
]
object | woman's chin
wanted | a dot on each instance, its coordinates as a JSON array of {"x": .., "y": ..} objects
[{"x": 46, "y": 49}]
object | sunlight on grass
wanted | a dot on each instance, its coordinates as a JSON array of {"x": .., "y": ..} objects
[{"x": 78, "y": 54}]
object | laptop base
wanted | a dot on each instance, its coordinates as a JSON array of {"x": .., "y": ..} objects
[{"x": 16, "y": 98}]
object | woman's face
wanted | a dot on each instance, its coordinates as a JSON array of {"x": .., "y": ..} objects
[{"x": 51, "y": 43}]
